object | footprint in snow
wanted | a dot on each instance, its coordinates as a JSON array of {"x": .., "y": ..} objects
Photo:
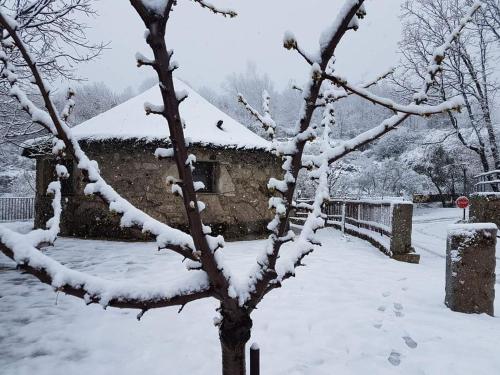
[
  {"x": 398, "y": 310},
  {"x": 386, "y": 294},
  {"x": 398, "y": 306},
  {"x": 404, "y": 289},
  {"x": 394, "y": 358},
  {"x": 381, "y": 308},
  {"x": 410, "y": 342},
  {"x": 378, "y": 325}
]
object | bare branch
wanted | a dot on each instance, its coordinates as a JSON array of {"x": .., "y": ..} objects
[
  {"x": 265, "y": 120},
  {"x": 453, "y": 104},
  {"x": 333, "y": 95},
  {"x": 290, "y": 43},
  {"x": 224, "y": 12}
]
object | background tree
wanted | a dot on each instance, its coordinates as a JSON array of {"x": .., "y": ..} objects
[
  {"x": 468, "y": 70},
  {"x": 56, "y": 33}
]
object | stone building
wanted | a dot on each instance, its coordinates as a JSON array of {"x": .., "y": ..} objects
[{"x": 233, "y": 163}]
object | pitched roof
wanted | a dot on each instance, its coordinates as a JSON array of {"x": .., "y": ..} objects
[{"x": 128, "y": 121}]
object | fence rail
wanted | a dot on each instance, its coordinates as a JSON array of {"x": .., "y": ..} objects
[
  {"x": 17, "y": 208},
  {"x": 385, "y": 224},
  {"x": 487, "y": 182}
]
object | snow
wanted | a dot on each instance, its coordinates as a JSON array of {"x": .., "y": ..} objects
[
  {"x": 332, "y": 30},
  {"x": 351, "y": 311},
  {"x": 96, "y": 289},
  {"x": 472, "y": 227},
  {"x": 128, "y": 121},
  {"x": 486, "y": 194},
  {"x": 157, "y": 6},
  {"x": 255, "y": 346}
]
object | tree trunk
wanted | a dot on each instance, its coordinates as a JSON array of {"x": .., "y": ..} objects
[
  {"x": 234, "y": 333},
  {"x": 233, "y": 358}
]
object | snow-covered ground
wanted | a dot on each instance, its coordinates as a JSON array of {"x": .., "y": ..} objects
[{"x": 350, "y": 311}]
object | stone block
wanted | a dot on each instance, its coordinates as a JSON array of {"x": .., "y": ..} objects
[
  {"x": 401, "y": 249},
  {"x": 485, "y": 208},
  {"x": 470, "y": 268}
]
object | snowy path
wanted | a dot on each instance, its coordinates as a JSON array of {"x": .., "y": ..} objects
[
  {"x": 350, "y": 311},
  {"x": 430, "y": 229}
]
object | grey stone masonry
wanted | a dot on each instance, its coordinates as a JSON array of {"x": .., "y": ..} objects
[
  {"x": 401, "y": 249},
  {"x": 485, "y": 208},
  {"x": 470, "y": 268},
  {"x": 237, "y": 208}
]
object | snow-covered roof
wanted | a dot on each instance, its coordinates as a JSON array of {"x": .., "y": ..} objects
[{"x": 128, "y": 121}]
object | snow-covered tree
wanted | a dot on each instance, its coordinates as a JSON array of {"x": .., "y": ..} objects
[
  {"x": 92, "y": 99},
  {"x": 238, "y": 295},
  {"x": 468, "y": 71},
  {"x": 56, "y": 32}
]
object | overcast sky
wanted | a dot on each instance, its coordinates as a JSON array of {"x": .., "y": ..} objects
[{"x": 209, "y": 47}]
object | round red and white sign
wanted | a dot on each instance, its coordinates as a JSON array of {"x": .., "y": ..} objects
[{"x": 462, "y": 202}]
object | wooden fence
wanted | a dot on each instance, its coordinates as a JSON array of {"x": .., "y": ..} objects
[
  {"x": 385, "y": 224},
  {"x": 487, "y": 182},
  {"x": 17, "y": 208}
]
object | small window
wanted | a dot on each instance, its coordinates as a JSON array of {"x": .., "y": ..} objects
[{"x": 205, "y": 172}]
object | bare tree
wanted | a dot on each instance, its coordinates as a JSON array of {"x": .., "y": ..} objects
[
  {"x": 56, "y": 34},
  {"x": 92, "y": 99},
  {"x": 467, "y": 71},
  {"x": 489, "y": 16},
  {"x": 209, "y": 278}
]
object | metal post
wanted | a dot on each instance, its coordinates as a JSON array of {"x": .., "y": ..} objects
[
  {"x": 343, "y": 218},
  {"x": 254, "y": 359}
]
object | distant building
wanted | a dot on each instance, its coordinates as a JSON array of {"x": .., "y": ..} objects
[{"x": 234, "y": 164}]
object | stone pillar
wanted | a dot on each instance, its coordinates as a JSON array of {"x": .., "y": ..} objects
[
  {"x": 485, "y": 208},
  {"x": 402, "y": 216},
  {"x": 470, "y": 268}
]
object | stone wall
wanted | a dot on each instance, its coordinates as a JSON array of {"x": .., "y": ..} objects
[
  {"x": 470, "y": 268},
  {"x": 485, "y": 208},
  {"x": 238, "y": 209}
]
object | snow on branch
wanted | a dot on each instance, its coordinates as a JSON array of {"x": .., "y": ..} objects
[
  {"x": 166, "y": 236},
  {"x": 347, "y": 19},
  {"x": 334, "y": 94},
  {"x": 305, "y": 243},
  {"x": 265, "y": 273},
  {"x": 39, "y": 237},
  {"x": 290, "y": 43},
  {"x": 393, "y": 122},
  {"x": 224, "y": 12},
  {"x": 454, "y": 104},
  {"x": 143, "y": 60},
  {"x": 70, "y": 104},
  {"x": 267, "y": 122},
  {"x": 93, "y": 289}
]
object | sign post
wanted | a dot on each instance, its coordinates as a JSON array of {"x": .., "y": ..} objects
[{"x": 462, "y": 202}]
